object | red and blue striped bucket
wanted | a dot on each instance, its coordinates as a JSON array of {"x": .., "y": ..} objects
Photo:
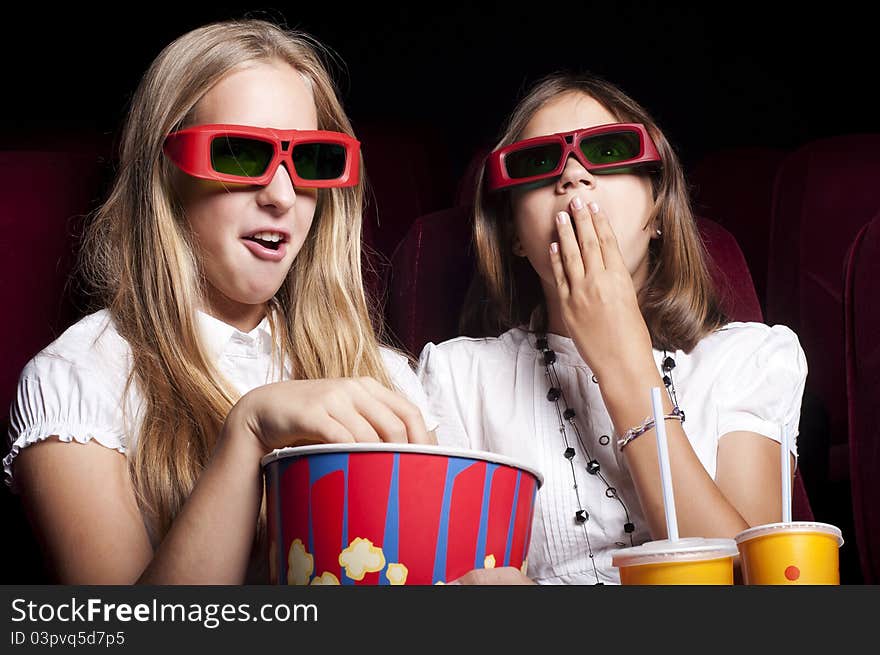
[{"x": 389, "y": 514}]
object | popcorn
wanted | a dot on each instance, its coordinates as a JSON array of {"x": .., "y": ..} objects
[
  {"x": 439, "y": 582},
  {"x": 361, "y": 557},
  {"x": 489, "y": 562},
  {"x": 396, "y": 573},
  {"x": 525, "y": 566},
  {"x": 300, "y": 564},
  {"x": 327, "y": 579}
]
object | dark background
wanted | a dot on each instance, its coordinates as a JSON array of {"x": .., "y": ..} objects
[{"x": 714, "y": 75}]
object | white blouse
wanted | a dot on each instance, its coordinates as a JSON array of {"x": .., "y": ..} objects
[
  {"x": 491, "y": 394},
  {"x": 73, "y": 388}
]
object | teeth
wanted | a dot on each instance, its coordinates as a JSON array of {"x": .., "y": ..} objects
[{"x": 273, "y": 237}]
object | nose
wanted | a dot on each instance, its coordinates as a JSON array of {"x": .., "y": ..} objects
[
  {"x": 279, "y": 195},
  {"x": 574, "y": 174}
]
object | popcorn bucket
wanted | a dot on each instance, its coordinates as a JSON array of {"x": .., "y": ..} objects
[{"x": 394, "y": 514}]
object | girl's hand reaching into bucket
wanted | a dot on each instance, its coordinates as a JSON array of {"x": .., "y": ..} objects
[{"x": 343, "y": 410}]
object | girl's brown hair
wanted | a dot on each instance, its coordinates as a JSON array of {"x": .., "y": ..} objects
[{"x": 678, "y": 299}]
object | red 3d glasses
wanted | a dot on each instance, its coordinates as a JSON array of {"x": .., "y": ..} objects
[
  {"x": 611, "y": 148},
  {"x": 250, "y": 155}
]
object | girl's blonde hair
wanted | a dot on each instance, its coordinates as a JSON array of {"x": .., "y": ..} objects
[
  {"x": 678, "y": 299},
  {"x": 139, "y": 256}
]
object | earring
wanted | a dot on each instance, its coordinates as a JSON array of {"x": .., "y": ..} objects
[{"x": 659, "y": 232}]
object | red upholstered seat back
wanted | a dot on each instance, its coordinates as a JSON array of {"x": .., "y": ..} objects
[
  {"x": 44, "y": 197},
  {"x": 407, "y": 174},
  {"x": 863, "y": 393},
  {"x": 825, "y": 192},
  {"x": 735, "y": 187}
]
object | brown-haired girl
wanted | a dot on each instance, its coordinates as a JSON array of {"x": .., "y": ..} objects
[{"x": 593, "y": 273}]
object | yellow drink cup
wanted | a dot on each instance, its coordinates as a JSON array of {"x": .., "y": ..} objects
[
  {"x": 800, "y": 552},
  {"x": 688, "y": 561}
]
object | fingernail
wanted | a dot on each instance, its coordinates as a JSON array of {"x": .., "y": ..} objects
[
  {"x": 554, "y": 247},
  {"x": 594, "y": 208},
  {"x": 577, "y": 203},
  {"x": 562, "y": 218}
]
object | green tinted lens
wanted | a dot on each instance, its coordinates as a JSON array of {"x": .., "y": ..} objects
[
  {"x": 611, "y": 148},
  {"x": 240, "y": 156},
  {"x": 319, "y": 161},
  {"x": 539, "y": 160}
]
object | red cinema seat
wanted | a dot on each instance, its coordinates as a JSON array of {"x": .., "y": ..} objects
[
  {"x": 863, "y": 393},
  {"x": 824, "y": 193},
  {"x": 45, "y": 197},
  {"x": 735, "y": 187},
  {"x": 407, "y": 174}
]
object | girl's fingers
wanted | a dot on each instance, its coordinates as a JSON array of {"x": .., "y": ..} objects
[
  {"x": 588, "y": 240},
  {"x": 558, "y": 270},
  {"x": 353, "y": 420},
  {"x": 329, "y": 431},
  {"x": 569, "y": 251},
  {"x": 403, "y": 412},
  {"x": 610, "y": 249},
  {"x": 387, "y": 425}
]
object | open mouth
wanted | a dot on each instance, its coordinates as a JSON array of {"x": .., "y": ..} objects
[{"x": 268, "y": 240}]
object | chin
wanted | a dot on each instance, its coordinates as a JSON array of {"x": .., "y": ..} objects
[
  {"x": 252, "y": 296},
  {"x": 261, "y": 298}
]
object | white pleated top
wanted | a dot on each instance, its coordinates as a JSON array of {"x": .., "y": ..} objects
[{"x": 491, "y": 394}]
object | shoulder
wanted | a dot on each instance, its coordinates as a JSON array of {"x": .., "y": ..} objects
[
  {"x": 755, "y": 375},
  {"x": 90, "y": 360},
  {"x": 474, "y": 349},
  {"x": 465, "y": 365},
  {"x": 399, "y": 367},
  {"x": 393, "y": 356},
  {"x": 738, "y": 341},
  {"x": 92, "y": 345},
  {"x": 750, "y": 361},
  {"x": 72, "y": 389}
]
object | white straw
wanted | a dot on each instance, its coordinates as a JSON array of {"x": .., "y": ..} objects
[
  {"x": 665, "y": 471},
  {"x": 786, "y": 478}
]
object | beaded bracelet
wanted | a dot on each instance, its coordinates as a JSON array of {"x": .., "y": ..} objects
[{"x": 639, "y": 430}]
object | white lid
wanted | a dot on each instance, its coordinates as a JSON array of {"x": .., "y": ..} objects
[
  {"x": 664, "y": 551},
  {"x": 383, "y": 447},
  {"x": 794, "y": 526}
]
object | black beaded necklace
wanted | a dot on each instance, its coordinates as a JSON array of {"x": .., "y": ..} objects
[{"x": 554, "y": 395}]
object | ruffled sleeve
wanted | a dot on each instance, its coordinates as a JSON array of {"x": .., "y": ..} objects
[
  {"x": 763, "y": 383},
  {"x": 435, "y": 374},
  {"x": 56, "y": 397}
]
